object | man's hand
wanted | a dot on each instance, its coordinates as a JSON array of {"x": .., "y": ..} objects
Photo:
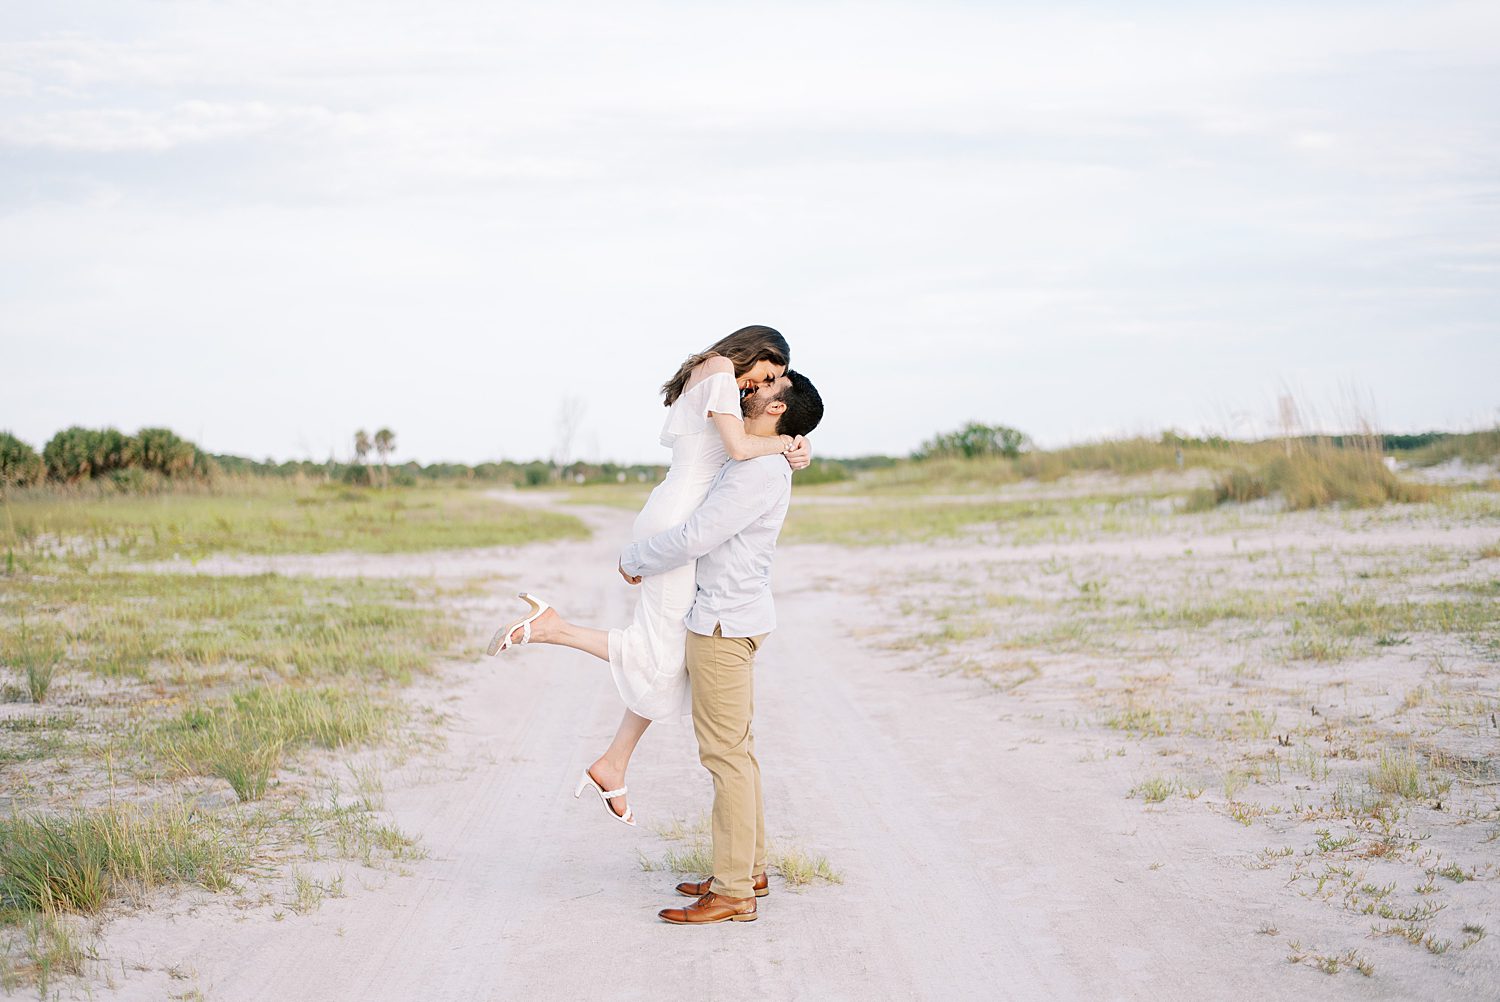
[
  {"x": 628, "y": 578},
  {"x": 800, "y": 456}
]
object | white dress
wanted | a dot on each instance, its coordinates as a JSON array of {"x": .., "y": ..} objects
[{"x": 646, "y": 658}]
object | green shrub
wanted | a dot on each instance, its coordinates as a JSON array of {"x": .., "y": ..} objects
[
  {"x": 78, "y": 453},
  {"x": 69, "y": 455},
  {"x": 974, "y": 440},
  {"x": 132, "y": 462},
  {"x": 1241, "y": 485},
  {"x": 20, "y": 466},
  {"x": 162, "y": 451}
]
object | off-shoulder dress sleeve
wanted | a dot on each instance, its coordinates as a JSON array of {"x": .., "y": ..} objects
[{"x": 719, "y": 393}]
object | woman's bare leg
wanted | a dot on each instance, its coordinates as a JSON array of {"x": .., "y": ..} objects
[
  {"x": 550, "y": 628},
  {"x": 608, "y": 769}
]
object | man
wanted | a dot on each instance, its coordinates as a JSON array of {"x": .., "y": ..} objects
[{"x": 732, "y": 536}]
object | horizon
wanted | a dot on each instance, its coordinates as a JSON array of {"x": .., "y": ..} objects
[{"x": 348, "y": 458}]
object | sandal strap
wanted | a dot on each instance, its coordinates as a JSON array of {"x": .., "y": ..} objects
[{"x": 611, "y": 794}]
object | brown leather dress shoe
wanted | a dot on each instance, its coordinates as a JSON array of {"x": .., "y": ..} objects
[
  {"x": 698, "y": 888},
  {"x": 711, "y": 908}
]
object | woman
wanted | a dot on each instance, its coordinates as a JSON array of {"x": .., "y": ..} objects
[{"x": 704, "y": 429}]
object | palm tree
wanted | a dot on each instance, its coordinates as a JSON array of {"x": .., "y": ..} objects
[
  {"x": 385, "y": 444},
  {"x": 361, "y": 447}
]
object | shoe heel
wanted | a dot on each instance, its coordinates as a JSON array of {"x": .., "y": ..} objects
[
  {"x": 582, "y": 782},
  {"x": 750, "y": 917}
]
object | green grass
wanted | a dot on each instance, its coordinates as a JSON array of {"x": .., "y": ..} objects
[
  {"x": 631, "y": 496},
  {"x": 117, "y": 624},
  {"x": 679, "y": 829},
  {"x": 275, "y": 518},
  {"x": 243, "y": 739},
  {"x": 945, "y": 474},
  {"x": 697, "y": 857},
  {"x": 890, "y": 520},
  {"x": 1316, "y": 643},
  {"x": 1238, "y": 604},
  {"x": 76, "y": 861},
  {"x": 1123, "y": 457},
  {"x": 1321, "y": 628},
  {"x": 799, "y": 867},
  {"x": 1127, "y": 457},
  {"x": 1142, "y": 720},
  {"x": 1474, "y": 447},
  {"x": 305, "y": 662},
  {"x": 44, "y": 746},
  {"x": 308, "y": 893},
  {"x": 886, "y": 522},
  {"x": 35, "y": 654},
  {"x": 1398, "y": 772},
  {"x": 49, "y": 947},
  {"x": 1154, "y": 789},
  {"x": 348, "y": 831}
]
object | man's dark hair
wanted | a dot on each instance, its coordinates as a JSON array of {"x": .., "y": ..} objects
[{"x": 804, "y": 407}]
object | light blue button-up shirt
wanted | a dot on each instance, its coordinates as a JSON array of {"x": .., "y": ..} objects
[{"x": 732, "y": 535}]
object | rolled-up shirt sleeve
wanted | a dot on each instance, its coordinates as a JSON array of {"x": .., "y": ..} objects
[{"x": 742, "y": 495}]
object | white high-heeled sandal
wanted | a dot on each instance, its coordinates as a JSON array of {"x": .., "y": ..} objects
[
  {"x": 604, "y": 796},
  {"x": 501, "y": 640}
]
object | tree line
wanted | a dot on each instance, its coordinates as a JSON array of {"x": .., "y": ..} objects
[
  {"x": 77, "y": 454},
  {"x": 156, "y": 458}
]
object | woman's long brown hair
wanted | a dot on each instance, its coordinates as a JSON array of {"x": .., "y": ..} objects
[{"x": 744, "y": 348}]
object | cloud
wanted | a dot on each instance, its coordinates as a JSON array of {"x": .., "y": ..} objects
[{"x": 108, "y": 130}]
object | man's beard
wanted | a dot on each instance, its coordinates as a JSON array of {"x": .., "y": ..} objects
[{"x": 752, "y": 405}]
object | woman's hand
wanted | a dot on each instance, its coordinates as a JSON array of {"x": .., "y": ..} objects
[
  {"x": 799, "y": 457},
  {"x": 628, "y": 579}
]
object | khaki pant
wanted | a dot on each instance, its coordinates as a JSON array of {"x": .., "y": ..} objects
[{"x": 721, "y": 670}]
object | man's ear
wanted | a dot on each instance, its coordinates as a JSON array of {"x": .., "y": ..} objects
[{"x": 776, "y": 407}]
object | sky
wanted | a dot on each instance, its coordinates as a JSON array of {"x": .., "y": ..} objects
[{"x": 266, "y": 224}]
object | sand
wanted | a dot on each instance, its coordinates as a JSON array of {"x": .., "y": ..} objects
[{"x": 984, "y": 853}]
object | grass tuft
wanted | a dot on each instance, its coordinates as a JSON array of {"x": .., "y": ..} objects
[
  {"x": 74, "y": 862},
  {"x": 695, "y": 858},
  {"x": 1397, "y": 772},
  {"x": 308, "y": 892},
  {"x": 35, "y": 652},
  {"x": 799, "y": 867},
  {"x": 1316, "y": 473},
  {"x": 1144, "y": 720},
  {"x": 243, "y": 740},
  {"x": 1154, "y": 789}
]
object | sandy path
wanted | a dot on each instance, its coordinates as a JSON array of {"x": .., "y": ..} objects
[{"x": 981, "y": 859}]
